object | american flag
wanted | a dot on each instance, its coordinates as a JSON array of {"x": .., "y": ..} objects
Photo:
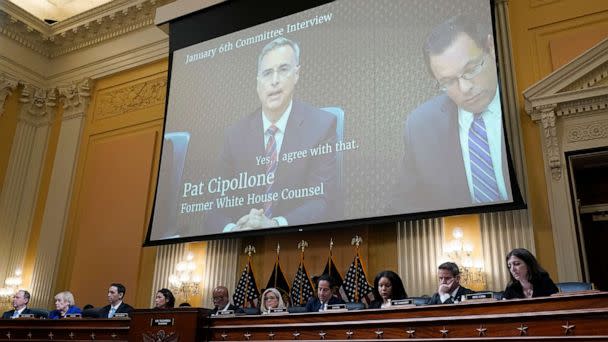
[
  {"x": 278, "y": 281},
  {"x": 302, "y": 288},
  {"x": 246, "y": 289},
  {"x": 356, "y": 285}
]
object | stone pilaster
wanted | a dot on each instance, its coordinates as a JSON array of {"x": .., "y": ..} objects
[
  {"x": 76, "y": 98},
  {"x": 22, "y": 180}
]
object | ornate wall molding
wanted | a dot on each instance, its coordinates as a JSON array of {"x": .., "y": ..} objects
[
  {"x": 87, "y": 29},
  {"x": 551, "y": 142},
  {"x": 7, "y": 85},
  {"x": 588, "y": 131},
  {"x": 117, "y": 101}
]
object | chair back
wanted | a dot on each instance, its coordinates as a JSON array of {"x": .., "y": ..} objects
[{"x": 574, "y": 286}]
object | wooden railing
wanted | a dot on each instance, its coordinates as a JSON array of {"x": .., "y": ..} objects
[{"x": 579, "y": 317}]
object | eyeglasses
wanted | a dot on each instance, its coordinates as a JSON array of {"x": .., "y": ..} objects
[
  {"x": 469, "y": 74},
  {"x": 270, "y": 298},
  {"x": 282, "y": 73}
]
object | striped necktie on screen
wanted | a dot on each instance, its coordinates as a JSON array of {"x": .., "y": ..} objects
[
  {"x": 271, "y": 154},
  {"x": 485, "y": 187}
]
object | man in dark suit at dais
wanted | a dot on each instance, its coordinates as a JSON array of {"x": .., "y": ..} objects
[
  {"x": 20, "y": 300},
  {"x": 455, "y": 153},
  {"x": 276, "y": 191},
  {"x": 116, "y": 294}
]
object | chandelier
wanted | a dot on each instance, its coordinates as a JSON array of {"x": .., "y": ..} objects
[
  {"x": 184, "y": 282},
  {"x": 11, "y": 285},
  {"x": 472, "y": 273}
]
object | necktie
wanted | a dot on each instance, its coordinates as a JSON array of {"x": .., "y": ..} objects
[
  {"x": 15, "y": 314},
  {"x": 485, "y": 187},
  {"x": 271, "y": 154},
  {"x": 112, "y": 312}
]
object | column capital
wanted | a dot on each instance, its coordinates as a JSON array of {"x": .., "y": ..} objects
[
  {"x": 38, "y": 105},
  {"x": 76, "y": 98},
  {"x": 8, "y": 83}
]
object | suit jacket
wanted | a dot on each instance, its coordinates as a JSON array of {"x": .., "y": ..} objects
[
  {"x": 542, "y": 287},
  {"x": 314, "y": 304},
  {"x": 433, "y": 175},
  {"x": 306, "y": 128},
  {"x": 436, "y": 299},
  {"x": 9, "y": 314},
  {"x": 232, "y": 307},
  {"x": 56, "y": 314},
  {"x": 122, "y": 308}
]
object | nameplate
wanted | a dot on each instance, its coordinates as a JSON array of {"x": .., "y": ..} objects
[
  {"x": 27, "y": 316},
  {"x": 277, "y": 311},
  {"x": 336, "y": 307},
  {"x": 161, "y": 322},
  {"x": 121, "y": 315},
  {"x": 402, "y": 302},
  {"x": 225, "y": 313},
  {"x": 73, "y": 315},
  {"x": 479, "y": 296}
]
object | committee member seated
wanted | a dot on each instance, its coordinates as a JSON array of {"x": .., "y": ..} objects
[
  {"x": 528, "y": 278},
  {"x": 271, "y": 299},
  {"x": 449, "y": 291},
  {"x": 116, "y": 294},
  {"x": 256, "y": 143},
  {"x": 20, "y": 300},
  {"x": 64, "y": 305},
  {"x": 164, "y": 299},
  {"x": 387, "y": 286},
  {"x": 324, "y": 295},
  {"x": 221, "y": 301}
]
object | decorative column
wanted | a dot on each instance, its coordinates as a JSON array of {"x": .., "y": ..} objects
[
  {"x": 22, "y": 180},
  {"x": 219, "y": 267},
  {"x": 75, "y": 103},
  {"x": 7, "y": 85}
]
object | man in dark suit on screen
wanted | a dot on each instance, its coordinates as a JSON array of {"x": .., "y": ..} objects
[
  {"x": 449, "y": 291},
  {"x": 20, "y": 301},
  {"x": 277, "y": 190},
  {"x": 116, "y": 294},
  {"x": 455, "y": 153}
]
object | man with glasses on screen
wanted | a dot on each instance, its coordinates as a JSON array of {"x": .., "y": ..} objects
[
  {"x": 298, "y": 190},
  {"x": 454, "y": 147}
]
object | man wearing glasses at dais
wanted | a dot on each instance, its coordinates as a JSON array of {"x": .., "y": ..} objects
[{"x": 454, "y": 152}]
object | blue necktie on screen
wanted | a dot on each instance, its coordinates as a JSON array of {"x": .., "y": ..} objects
[
  {"x": 485, "y": 187},
  {"x": 271, "y": 154}
]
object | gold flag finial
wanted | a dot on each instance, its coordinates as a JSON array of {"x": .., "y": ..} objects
[
  {"x": 249, "y": 250},
  {"x": 331, "y": 244},
  {"x": 278, "y": 248},
  {"x": 356, "y": 241},
  {"x": 302, "y": 245}
]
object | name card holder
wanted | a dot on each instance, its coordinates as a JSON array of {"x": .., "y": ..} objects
[
  {"x": 336, "y": 307},
  {"x": 480, "y": 296},
  {"x": 224, "y": 313},
  {"x": 74, "y": 315},
  {"x": 29, "y": 316},
  {"x": 277, "y": 311},
  {"x": 162, "y": 322},
  {"x": 121, "y": 315},
  {"x": 402, "y": 302}
]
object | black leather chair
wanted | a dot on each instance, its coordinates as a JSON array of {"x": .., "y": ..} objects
[
  {"x": 296, "y": 309},
  {"x": 40, "y": 313},
  {"x": 251, "y": 311},
  {"x": 355, "y": 306},
  {"x": 497, "y": 295},
  {"x": 574, "y": 286},
  {"x": 423, "y": 300}
]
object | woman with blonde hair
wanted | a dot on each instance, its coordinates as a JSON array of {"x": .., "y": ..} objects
[
  {"x": 65, "y": 305},
  {"x": 271, "y": 299}
]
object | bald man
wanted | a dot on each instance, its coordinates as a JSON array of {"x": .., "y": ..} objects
[{"x": 221, "y": 301}]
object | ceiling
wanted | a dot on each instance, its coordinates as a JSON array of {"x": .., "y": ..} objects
[{"x": 57, "y": 10}]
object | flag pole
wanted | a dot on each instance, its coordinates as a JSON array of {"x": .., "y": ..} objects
[
  {"x": 249, "y": 250},
  {"x": 302, "y": 246},
  {"x": 276, "y": 265},
  {"x": 356, "y": 241}
]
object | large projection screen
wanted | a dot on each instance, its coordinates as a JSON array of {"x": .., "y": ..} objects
[{"x": 332, "y": 116}]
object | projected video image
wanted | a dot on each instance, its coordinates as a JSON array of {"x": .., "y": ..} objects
[{"x": 350, "y": 110}]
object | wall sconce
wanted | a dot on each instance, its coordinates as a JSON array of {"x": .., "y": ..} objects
[
  {"x": 471, "y": 271},
  {"x": 184, "y": 282},
  {"x": 11, "y": 285}
]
